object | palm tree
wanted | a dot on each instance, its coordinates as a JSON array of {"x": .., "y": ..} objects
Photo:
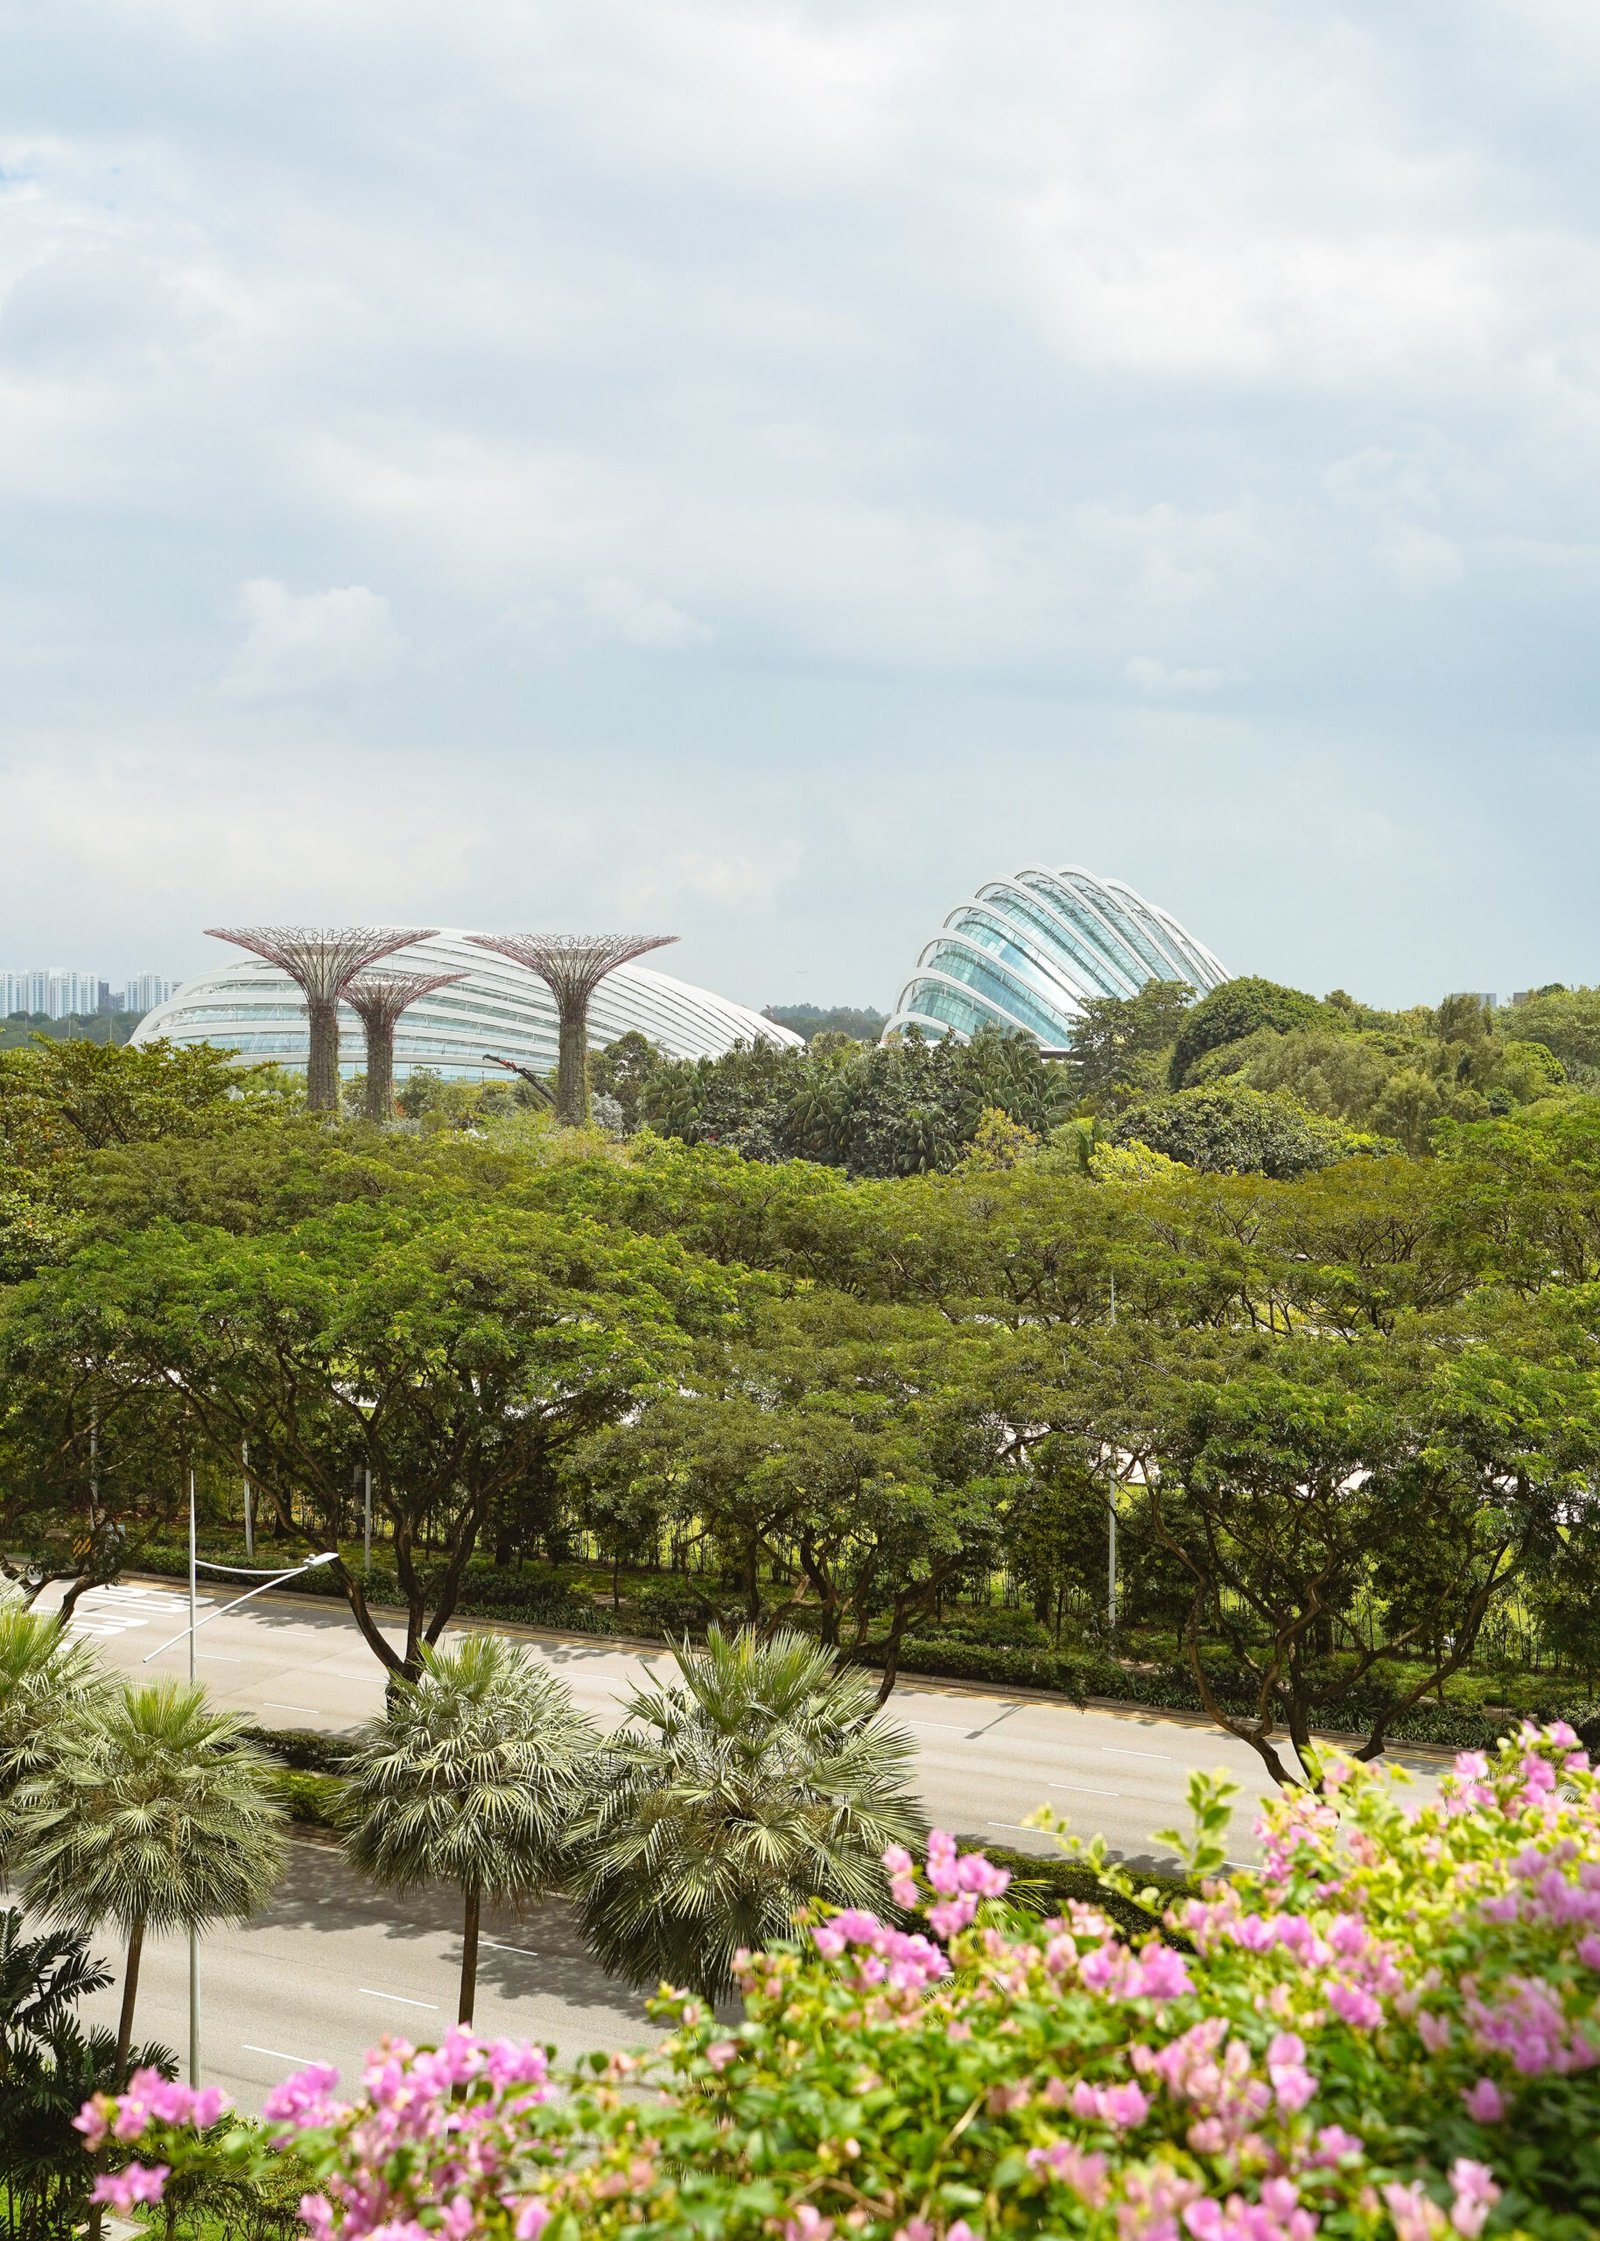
[
  {"x": 471, "y": 1777},
  {"x": 157, "y": 1817},
  {"x": 763, "y": 1778},
  {"x": 41, "y": 1981},
  {"x": 45, "y": 1679}
]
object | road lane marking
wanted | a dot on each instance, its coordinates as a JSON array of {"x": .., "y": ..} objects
[
  {"x": 370, "y": 1994},
  {"x": 500, "y": 1946},
  {"x": 276, "y": 2054},
  {"x": 1022, "y": 1825},
  {"x": 1123, "y": 1751},
  {"x": 272, "y": 1704},
  {"x": 1083, "y": 1789}
]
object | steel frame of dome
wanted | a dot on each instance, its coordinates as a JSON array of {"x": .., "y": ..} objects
[
  {"x": 1028, "y": 952},
  {"x": 251, "y": 1007}
]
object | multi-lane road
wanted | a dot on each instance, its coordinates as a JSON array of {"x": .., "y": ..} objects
[{"x": 332, "y": 1965}]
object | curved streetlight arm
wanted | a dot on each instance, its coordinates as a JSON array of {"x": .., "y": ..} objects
[{"x": 330, "y": 1556}]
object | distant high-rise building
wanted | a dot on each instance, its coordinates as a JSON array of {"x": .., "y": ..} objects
[
  {"x": 144, "y": 991},
  {"x": 59, "y": 992}
]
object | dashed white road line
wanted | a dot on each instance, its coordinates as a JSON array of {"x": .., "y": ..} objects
[
  {"x": 276, "y": 2054},
  {"x": 367, "y": 1992}
]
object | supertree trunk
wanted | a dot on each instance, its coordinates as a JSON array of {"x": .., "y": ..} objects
[
  {"x": 572, "y": 1072},
  {"x": 322, "y": 1062},
  {"x": 380, "y": 1074}
]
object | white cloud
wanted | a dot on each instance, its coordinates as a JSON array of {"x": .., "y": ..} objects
[
  {"x": 1419, "y": 561},
  {"x": 906, "y": 372},
  {"x": 623, "y": 611},
  {"x": 313, "y": 832},
  {"x": 298, "y": 647},
  {"x": 1168, "y": 681}
]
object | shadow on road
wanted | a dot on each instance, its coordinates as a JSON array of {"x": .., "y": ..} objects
[{"x": 320, "y": 1894}]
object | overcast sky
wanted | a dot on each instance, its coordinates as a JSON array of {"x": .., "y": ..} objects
[{"x": 754, "y": 471}]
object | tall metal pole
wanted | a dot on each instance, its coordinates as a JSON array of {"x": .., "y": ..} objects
[
  {"x": 1111, "y": 1507},
  {"x": 249, "y": 1505},
  {"x": 366, "y": 1521},
  {"x": 194, "y": 1935}
]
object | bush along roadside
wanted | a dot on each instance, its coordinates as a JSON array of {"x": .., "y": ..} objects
[
  {"x": 312, "y": 1799},
  {"x": 1169, "y": 1688}
]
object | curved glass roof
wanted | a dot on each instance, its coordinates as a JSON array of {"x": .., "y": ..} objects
[
  {"x": 251, "y": 1007},
  {"x": 1026, "y": 953}
]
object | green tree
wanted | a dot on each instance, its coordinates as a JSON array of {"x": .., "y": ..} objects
[
  {"x": 42, "y": 1980},
  {"x": 1230, "y": 1131},
  {"x": 1565, "y": 1020},
  {"x": 450, "y": 1349},
  {"x": 159, "y": 1816},
  {"x": 1239, "y": 1008},
  {"x": 1348, "y": 1517},
  {"x": 472, "y": 1777},
  {"x": 1118, "y": 1039},
  {"x": 759, "y": 1780}
]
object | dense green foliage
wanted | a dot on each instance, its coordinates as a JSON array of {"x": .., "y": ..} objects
[
  {"x": 708, "y": 1386},
  {"x": 1238, "y": 1008},
  {"x": 19, "y": 1029}
]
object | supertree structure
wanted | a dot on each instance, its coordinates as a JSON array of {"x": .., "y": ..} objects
[
  {"x": 572, "y": 966},
  {"x": 378, "y": 999},
  {"x": 322, "y": 961}
]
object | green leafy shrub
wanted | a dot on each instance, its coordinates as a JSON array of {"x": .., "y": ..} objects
[{"x": 1387, "y": 2033}]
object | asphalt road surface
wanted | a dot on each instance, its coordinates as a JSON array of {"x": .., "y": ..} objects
[{"x": 332, "y": 1965}]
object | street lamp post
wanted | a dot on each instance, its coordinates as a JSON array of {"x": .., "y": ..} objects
[{"x": 274, "y": 1579}]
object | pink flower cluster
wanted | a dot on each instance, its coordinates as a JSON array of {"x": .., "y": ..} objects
[
  {"x": 960, "y": 1880},
  {"x": 432, "y": 2134},
  {"x": 1083, "y": 2170},
  {"x": 1117, "y": 1972},
  {"x": 135, "y": 2182},
  {"x": 1525, "y": 2021},
  {"x": 149, "y": 2099},
  {"x": 896, "y": 1959},
  {"x": 1417, "y": 2217}
]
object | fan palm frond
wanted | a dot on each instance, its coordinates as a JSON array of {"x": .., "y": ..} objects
[
  {"x": 471, "y": 1777},
  {"x": 156, "y": 1815},
  {"x": 764, "y": 1777}
]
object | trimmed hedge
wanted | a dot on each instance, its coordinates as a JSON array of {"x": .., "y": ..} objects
[
  {"x": 307, "y": 1750},
  {"x": 1043, "y": 1885},
  {"x": 1171, "y": 1689},
  {"x": 312, "y": 1799}
]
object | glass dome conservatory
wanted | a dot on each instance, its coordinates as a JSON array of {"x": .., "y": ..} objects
[
  {"x": 1026, "y": 953},
  {"x": 249, "y": 1006}
]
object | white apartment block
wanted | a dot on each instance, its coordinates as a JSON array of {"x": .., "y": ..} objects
[{"x": 58, "y": 991}]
